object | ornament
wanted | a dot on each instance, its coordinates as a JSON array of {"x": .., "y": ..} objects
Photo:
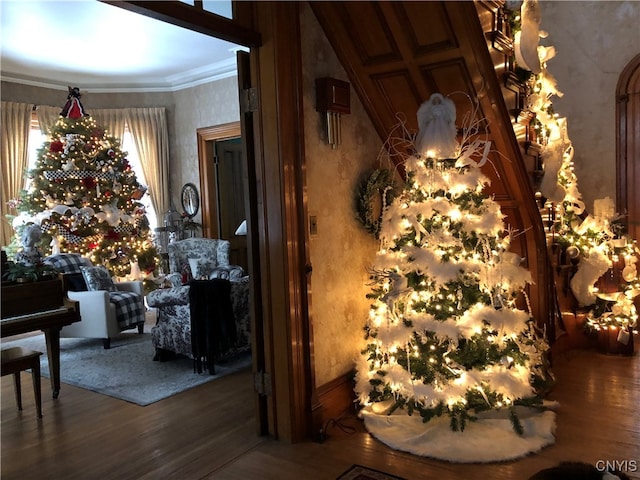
[
  {"x": 85, "y": 214},
  {"x": 506, "y": 361},
  {"x": 89, "y": 182},
  {"x": 56, "y": 146},
  {"x": 69, "y": 165},
  {"x": 573, "y": 252},
  {"x": 629, "y": 273},
  {"x": 374, "y": 195},
  {"x": 137, "y": 195},
  {"x": 437, "y": 122},
  {"x": 68, "y": 200},
  {"x": 110, "y": 214},
  {"x": 55, "y": 245},
  {"x": 135, "y": 274}
]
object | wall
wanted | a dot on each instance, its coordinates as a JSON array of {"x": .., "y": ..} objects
[
  {"x": 15, "y": 92},
  {"x": 594, "y": 41},
  {"x": 341, "y": 250},
  {"x": 205, "y": 105}
]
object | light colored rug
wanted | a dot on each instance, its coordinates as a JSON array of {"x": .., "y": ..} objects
[
  {"x": 435, "y": 439},
  {"x": 126, "y": 370}
]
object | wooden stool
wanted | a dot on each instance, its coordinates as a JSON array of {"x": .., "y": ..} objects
[{"x": 17, "y": 359}]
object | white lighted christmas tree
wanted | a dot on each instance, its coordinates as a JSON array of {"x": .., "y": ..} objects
[
  {"x": 85, "y": 195},
  {"x": 445, "y": 336}
]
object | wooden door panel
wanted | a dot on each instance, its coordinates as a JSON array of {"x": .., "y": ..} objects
[
  {"x": 398, "y": 90},
  {"x": 374, "y": 45},
  {"x": 425, "y": 39}
]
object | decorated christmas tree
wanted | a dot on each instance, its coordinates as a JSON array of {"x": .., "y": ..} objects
[
  {"x": 446, "y": 336},
  {"x": 86, "y": 197}
]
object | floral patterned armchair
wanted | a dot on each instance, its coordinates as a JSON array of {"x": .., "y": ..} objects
[{"x": 172, "y": 332}]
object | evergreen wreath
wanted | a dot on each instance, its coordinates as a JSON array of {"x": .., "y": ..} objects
[{"x": 374, "y": 194}]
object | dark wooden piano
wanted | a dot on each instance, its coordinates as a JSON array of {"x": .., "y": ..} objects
[{"x": 42, "y": 306}]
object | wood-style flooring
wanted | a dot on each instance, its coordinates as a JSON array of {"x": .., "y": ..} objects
[{"x": 209, "y": 433}]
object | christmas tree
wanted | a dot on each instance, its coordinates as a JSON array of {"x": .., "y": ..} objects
[
  {"x": 445, "y": 334},
  {"x": 85, "y": 196}
]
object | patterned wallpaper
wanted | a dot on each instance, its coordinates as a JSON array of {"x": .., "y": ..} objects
[{"x": 205, "y": 105}]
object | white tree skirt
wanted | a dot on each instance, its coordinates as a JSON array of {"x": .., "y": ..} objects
[{"x": 485, "y": 440}]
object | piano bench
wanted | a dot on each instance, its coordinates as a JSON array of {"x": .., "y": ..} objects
[{"x": 14, "y": 361}]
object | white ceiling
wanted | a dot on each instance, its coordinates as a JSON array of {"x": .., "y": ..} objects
[{"x": 101, "y": 48}]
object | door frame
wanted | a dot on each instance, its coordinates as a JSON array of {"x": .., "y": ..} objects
[
  {"x": 626, "y": 169},
  {"x": 208, "y": 181}
]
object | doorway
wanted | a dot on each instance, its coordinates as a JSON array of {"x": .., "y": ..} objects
[{"x": 222, "y": 174}]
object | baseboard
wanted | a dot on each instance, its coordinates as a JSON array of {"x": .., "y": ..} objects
[{"x": 337, "y": 397}]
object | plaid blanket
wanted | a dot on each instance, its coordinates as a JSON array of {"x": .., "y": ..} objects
[
  {"x": 129, "y": 308},
  {"x": 67, "y": 262}
]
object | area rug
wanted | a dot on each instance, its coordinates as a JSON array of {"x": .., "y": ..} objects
[
  {"x": 489, "y": 439},
  {"x": 126, "y": 370},
  {"x": 358, "y": 472}
]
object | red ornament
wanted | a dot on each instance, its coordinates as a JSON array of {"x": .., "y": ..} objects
[
  {"x": 56, "y": 146},
  {"x": 89, "y": 182},
  {"x": 93, "y": 245},
  {"x": 107, "y": 194},
  {"x": 112, "y": 235}
]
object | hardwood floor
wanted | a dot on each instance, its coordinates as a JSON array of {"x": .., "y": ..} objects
[{"x": 209, "y": 433}]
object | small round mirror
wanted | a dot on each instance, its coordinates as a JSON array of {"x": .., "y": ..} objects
[{"x": 190, "y": 200}]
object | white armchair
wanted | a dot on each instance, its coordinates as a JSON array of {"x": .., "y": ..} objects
[
  {"x": 98, "y": 314},
  {"x": 104, "y": 313}
]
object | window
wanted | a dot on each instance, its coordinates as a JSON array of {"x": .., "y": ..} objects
[{"x": 37, "y": 138}]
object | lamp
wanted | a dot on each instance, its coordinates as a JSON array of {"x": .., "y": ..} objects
[
  {"x": 242, "y": 229},
  {"x": 333, "y": 99}
]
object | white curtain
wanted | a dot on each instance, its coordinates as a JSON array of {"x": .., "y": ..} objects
[
  {"x": 47, "y": 117},
  {"x": 113, "y": 119},
  {"x": 148, "y": 126},
  {"x": 14, "y": 137}
]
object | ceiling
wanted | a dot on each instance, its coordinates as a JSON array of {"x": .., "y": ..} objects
[{"x": 102, "y": 48}]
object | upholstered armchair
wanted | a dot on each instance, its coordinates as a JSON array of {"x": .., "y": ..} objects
[
  {"x": 210, "y": 259},
  {"x": 208, "y": 256},
  {"x": 106, "y": 307}
]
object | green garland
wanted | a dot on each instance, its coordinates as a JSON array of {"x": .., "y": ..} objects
[{"x": 374, "y": 194}]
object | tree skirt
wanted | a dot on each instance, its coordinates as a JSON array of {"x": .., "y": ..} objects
[{"x": 483, "y": 441}]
